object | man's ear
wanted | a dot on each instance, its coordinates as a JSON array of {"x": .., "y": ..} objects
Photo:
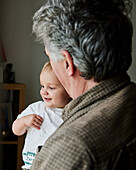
[{"x": 69, "y": 66}]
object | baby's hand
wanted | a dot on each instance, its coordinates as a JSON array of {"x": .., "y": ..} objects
[{"x": 33, "y": 120}]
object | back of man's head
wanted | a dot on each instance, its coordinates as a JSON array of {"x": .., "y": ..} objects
[{"x": 96, "y": 33}]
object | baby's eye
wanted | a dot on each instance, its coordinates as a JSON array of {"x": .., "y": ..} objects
[
  {"x": 42, "y": 86},
  {"x": 52, "y": 88}
]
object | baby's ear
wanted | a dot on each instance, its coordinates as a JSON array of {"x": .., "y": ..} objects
[{"x": 69, "y": 66}]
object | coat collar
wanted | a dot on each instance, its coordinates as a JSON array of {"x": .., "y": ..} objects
[{"x": 98, "y": 92}]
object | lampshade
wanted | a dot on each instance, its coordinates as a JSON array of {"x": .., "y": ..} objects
[{"x": 2, "y": 53}]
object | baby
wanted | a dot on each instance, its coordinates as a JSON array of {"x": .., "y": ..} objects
[{"x": 41, "y": 118}]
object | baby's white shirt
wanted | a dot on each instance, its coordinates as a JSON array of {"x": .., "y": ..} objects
[{"x": 34, "y": 138}]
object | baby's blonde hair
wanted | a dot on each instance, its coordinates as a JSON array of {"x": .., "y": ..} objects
[{"x": 47, "y": 66}]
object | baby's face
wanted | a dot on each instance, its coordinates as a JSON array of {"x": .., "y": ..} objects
[{"x": 52, "y": 92}]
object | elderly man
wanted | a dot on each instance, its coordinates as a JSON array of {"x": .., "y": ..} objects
[{"x": 89, "y": 43}]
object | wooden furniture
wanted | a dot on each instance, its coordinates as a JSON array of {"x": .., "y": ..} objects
[{"x": 18, "y": 103}]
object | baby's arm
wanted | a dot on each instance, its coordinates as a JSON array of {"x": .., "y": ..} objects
[{"x": 20, "y": 125}]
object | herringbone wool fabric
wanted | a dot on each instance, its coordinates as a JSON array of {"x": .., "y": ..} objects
[{"x": 98, "y": 133}]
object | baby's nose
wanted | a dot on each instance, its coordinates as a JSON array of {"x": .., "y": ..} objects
[{"x": 45, "y": 92}]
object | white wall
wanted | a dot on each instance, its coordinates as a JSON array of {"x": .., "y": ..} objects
[{"x": 21, "y": 49}]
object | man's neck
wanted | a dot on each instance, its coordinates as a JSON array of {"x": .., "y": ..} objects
[{"x": 81, "y": 86}]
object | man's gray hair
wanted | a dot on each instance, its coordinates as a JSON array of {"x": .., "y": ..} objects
[{"x": 92, "y": 31}]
